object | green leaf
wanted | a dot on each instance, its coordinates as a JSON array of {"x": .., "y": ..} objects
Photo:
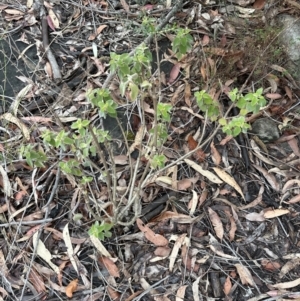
[
  {"x": 222, "y": 121},
  {"x": 134, "y": 90},
  {"x": 236, "y": 131}
]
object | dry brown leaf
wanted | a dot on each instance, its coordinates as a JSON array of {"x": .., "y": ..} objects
[
  {"x": 180, "y": 293},
  {"x": 162, "y": 251},
  {"x": 271, "y": 213},
  {"x": 193, "y": 203},
  {"x": 289, "y": 184},
  {"x": 110, "y": 266},
  {"x": 215, "y": 155},
  {"x": 98, "y": 31},
  {"x": 256, "y": 201},
  {"x": 225, "y": 140},
  {"x": 293, "y": 143},
  {"x": 9, "y": 117},
  {"x": 157, "y": 239},
  {"x": 199, "y": 155},
  {"x": 125, "y": 5},
  {"x": 187, "y": 94},
  {"x": 174, "y": 73},
  {"x": 176, "y": 217},
  {"x": 113, "y": 294},
  {"x": 233, "y": 226},
  {"x": 229, "y": 180},
  {"x": 71, "y": 288},
  {"x": 227, "y": 286},
  {"x": 289, "y": 266},
  {"x": 216, "y": 222},
  {"x": 288, "y": 284},
  {"x": 184, "y": 184},
  {"x": 294, "y": 199},
  {"x": 37, "y": 281},
  {"x": 255, "y": 217},
  {"x": 272, "y": 266},
  {"x": 216, "y": 247},
  {"x": 53, "y": 18},
  {"x": 245, "y": 275},
  {"x": 177, "y": 245},
  {"x": 203, "y": 197},
  {"x": 259, "y": 4},
  {"x": 14, "y": 12},
  {"x": 269, "y": 177},
  {"x": 212, "y": 177},
  {"x": 138, "y": 139},
  {"x": 187, "y": 262}
]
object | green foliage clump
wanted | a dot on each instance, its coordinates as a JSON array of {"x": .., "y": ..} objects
[
  {"x": 101, "y": 231},
  {"x": 182, "y": 42},
  {"x": 249, "y": 103}
]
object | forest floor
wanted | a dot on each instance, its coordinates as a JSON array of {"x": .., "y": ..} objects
[{"x": 133, "y": 191}]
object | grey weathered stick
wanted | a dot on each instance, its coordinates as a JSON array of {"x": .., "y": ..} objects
[
  {"x": 49, "y": 53},
  {"x": 159, "y": 27}
]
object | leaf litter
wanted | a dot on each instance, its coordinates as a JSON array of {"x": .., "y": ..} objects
[{"x": 204, "y": 239}]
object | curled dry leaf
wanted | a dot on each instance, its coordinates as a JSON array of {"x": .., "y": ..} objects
[
  {"x": 269, "y": 177},
  {"x": 295, "y": 262},
  {"x": 9, "y": 117},
  {"x": 71, "y": 288},
  {"x": 216, "y": 222},
  {"x": 295, "y": 199},
  {"x": 256, "y": 201},
  {"x": 157, "y": 239},
  {"x": 289, "y": 184}
]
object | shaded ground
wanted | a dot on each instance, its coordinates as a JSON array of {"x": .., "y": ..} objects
[{"x": 226, "y": 229}]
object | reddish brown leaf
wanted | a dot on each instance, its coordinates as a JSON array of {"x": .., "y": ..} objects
[
  {"x": 174, "y": 73},
  {"x": 227, "y": 286},
  {"x": 259, "y": 4},
  {"x": 71, "y": 288},
  {"x": 199, "y": 155},
  {"x": 269, "y": 265},
  {"x": 110, "y": 266},
  {"x": 113, "y": 294},
  {"x": 157, "y": 239},
  {"x": 37, "y": 281}
]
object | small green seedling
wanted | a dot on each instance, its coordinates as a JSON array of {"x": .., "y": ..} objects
[{"x": 101, "y": 231}]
